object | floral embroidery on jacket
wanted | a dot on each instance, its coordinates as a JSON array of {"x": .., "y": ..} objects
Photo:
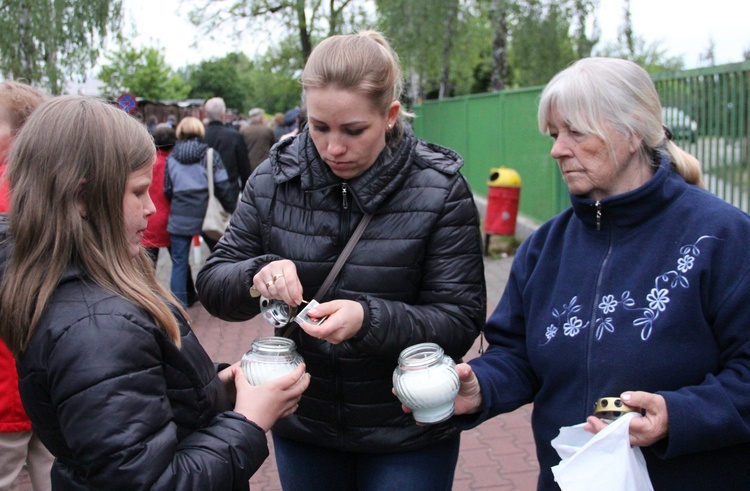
[{"x": 656, "y": 301}]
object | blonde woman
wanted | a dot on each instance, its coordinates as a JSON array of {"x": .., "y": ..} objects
[
  {"x": 415, "y": 276},
  {"x": 186, "y": 187}
]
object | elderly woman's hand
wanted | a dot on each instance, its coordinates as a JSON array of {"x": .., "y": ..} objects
[
  {"x": 469, "y": 398},
  {"x": 646, "y": 430},
  {"x": 344, "y": 320},
  {"x": 279, "y": 280}
]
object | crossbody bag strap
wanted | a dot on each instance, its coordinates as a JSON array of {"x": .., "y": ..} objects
[
  {"x": 343, "y": 257},
  {"x": 336, "y": 266},
  {"x": 210, "y": 171}
]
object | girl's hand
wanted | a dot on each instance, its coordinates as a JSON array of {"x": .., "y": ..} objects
[{"x": 265, "y": 404}]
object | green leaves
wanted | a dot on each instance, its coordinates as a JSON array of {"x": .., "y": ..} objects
[
  {"x": 142, "y": 72},
  {"x": 45, "y": 42}
]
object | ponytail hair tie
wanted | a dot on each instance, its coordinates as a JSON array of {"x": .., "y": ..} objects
[{"x": 667, "y": 132}]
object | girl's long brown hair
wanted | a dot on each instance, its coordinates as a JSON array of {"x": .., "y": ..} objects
[{"x": 67, "y": 172}]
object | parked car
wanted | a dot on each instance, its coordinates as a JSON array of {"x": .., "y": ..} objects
[{"x": 682, "y": 126}]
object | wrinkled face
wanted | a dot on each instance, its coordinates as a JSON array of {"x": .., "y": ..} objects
[
  {"x": 137, "y": 207},
  {"x": 591, "y": 168},
  {"x": 348, "y": 132}
]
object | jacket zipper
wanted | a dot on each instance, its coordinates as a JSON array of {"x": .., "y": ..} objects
[
  {"x": 338, "y": 405},
  {"x": 592, "y": 319}
]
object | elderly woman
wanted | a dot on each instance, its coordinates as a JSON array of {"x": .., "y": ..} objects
[{"x": 636, "y": 291}]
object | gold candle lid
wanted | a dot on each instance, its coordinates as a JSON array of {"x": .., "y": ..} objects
[{"x": 611, "y": 408}]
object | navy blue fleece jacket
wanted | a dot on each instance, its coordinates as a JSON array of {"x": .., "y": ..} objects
[{"x": 646, "y": 291}]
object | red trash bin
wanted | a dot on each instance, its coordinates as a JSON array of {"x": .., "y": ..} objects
[{"x": 502, "y": 203}]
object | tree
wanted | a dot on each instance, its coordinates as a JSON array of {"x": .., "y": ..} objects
[
  {"x": 269, "y": 82},
  {"x": 46, "y": 41},
  {"x": 632, "y": 47},
  {"x": 275, "y": 84},
  {"x": 541, "y": 44},
  {"x": 709, "y": 56},
  {"x": 307, "y": 18},
  {"x": 439, "y": 43},
  {"x": 142, "y": 72},
  {"x": 499, "y": 18},
  {"x": 222, "y": 77},
  {"x": 582, "y": 9}
]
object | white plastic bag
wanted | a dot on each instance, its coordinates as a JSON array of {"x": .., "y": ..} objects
[{"x": 600, "y": 461}]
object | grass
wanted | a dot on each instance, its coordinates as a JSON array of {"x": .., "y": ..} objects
[{"x": 502, "y": 246}]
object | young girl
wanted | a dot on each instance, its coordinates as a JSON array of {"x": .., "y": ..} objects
[{"x": 114, "y": 381}]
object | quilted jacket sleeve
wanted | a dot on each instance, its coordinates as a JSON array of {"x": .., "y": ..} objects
[{"x": 105, "y": 378}]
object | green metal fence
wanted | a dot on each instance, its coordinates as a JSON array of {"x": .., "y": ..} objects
[{"x": 706, "y": 108}]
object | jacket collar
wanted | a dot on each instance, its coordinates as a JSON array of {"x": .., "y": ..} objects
[
  {"x": 635, "y": 207},
  {"x": 298, "y": 157}
]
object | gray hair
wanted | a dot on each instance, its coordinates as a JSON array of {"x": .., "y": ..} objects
[
  {"x": 593, "y": 92},
  {"x": 215, "y": 109}
]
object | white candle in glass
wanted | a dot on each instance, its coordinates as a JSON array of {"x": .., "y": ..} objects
[
  {"x": 269, "y": 358},
  {"x": 426, "y": 381}
]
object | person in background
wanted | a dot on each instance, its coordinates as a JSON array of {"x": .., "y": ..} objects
[
  {"x": 156, "y": 237},
  {"x": 258, "y": 137},
  {"x": 152, "y": 122},
  {"x": 416, "y": 275},
  {"x": 113, "y": 378},
  {"x": 299, "y": 126},
  {"x": 226, "y": 140},
  {"x": 637, "y": 291},
  {"x": 186, "y": 188},
  {"x": 278, "y": 127},
  {"x": 19, "y": 446}
]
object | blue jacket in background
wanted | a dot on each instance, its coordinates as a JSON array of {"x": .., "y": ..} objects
[
  {"x": 644, "y": 291},
  {"x": 186, "y": 186}
]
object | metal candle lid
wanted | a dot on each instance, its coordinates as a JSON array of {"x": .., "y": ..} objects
[{"x": 611, "y": 408}]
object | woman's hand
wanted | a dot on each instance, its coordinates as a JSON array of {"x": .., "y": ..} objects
[
  {"x": 265, "y": 404},
  {"x": 469, "y": 398},
  {"x": 279, "y": 280},
  {"x": 344, "y": 320},
  {"x": 646, "y": 430}
]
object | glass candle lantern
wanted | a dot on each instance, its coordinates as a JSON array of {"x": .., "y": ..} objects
[
  {"x": 269, "y": 358},
  {"x": 426, "y": 381}
]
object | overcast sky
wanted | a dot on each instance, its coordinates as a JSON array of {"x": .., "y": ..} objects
[{"x": 684, "y": 28}]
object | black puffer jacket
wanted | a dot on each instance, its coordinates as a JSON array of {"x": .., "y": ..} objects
[
  {"x": 121, "y": 407},
  {"x": 417, "y": 271}
]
